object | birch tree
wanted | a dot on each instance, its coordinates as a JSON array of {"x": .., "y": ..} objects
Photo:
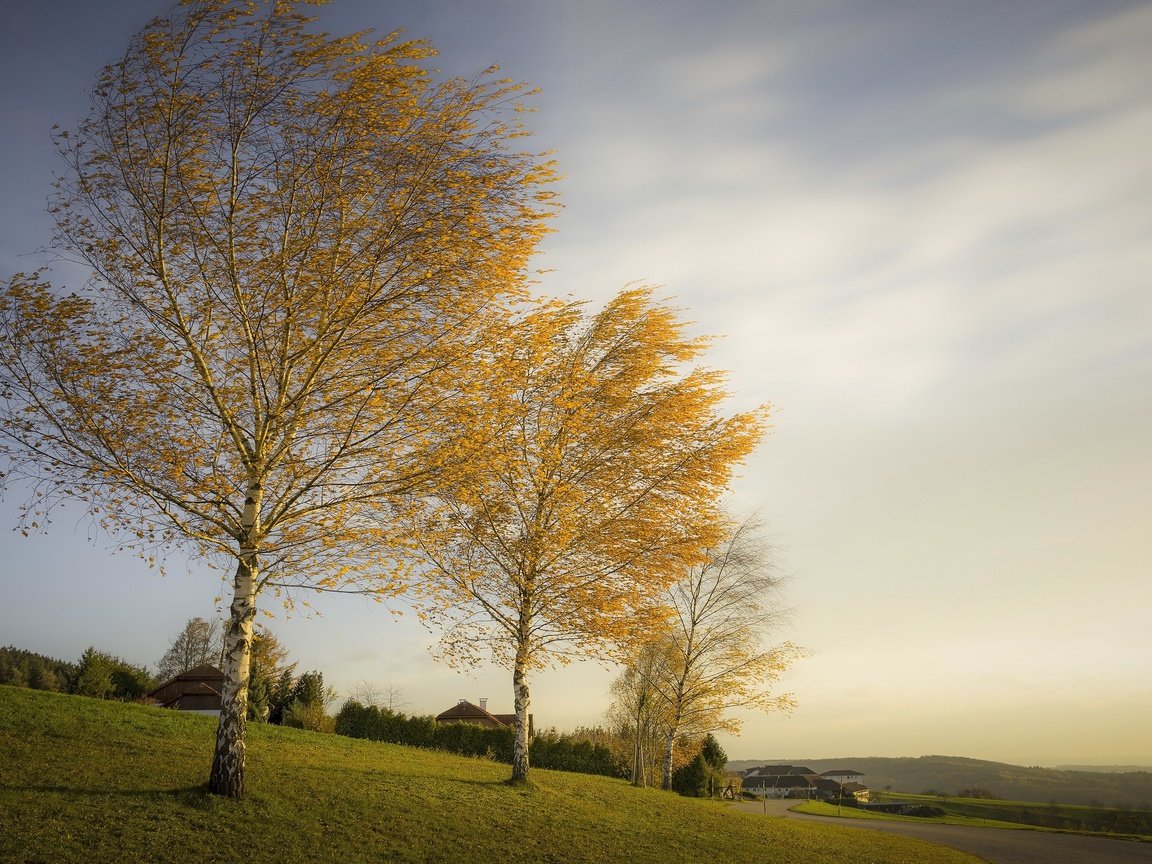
[
  {"x": 294, "y": 240},
  {"x": 594, "y": 493},
  {"x": 637, "y": 712},
  {"x": 715, "y": 658}
]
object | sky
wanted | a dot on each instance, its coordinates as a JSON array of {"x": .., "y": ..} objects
[{"x": 921, "y": 230}]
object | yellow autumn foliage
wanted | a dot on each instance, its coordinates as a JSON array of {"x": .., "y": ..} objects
[{"x": 560, "y": 535}]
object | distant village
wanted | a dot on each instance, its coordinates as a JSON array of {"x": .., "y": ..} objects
[{"x": 793, "y": 781}]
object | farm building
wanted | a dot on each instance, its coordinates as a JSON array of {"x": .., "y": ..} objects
[{"x": 195, "y": 690}]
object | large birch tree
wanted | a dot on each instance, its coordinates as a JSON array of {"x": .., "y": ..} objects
[
  {"x": 594, "y": 494},
  {"x": 294, "y": 240}
]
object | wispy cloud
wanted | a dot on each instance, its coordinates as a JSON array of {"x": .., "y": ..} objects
[{"x": 1015, "y": 236}]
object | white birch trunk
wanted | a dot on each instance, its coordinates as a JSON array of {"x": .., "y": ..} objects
[
  {"x": 669, "y": 746},
  {"x": 638, "y": 772},
  {"x": 227, "y": 777},
  {"x": 522, "y": 702},
  {"x": 677, "y": 716}
]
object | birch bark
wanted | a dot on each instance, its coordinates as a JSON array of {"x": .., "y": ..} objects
[
  {"x": 677, "y": 706},
  {"x": 522, "y": 701},
  {"x": 638, "y": 772},
  {"x": 227, "y": 776},
  {"x": 669, "y": 745}
]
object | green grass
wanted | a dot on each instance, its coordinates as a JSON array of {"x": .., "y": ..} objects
[{"x": 90, "y": 781}]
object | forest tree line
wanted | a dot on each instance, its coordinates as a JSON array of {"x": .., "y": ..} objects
[{"x": 279, "y": 694}]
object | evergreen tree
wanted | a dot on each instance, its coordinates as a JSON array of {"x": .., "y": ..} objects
[
  {"x": 714, "y": 754},
  {"x": 130, "y": 682},
  {"x": 103, "y": 676},
  {"x": 270, "y": 679},
  {"x": 27, "y": 669},
  {"x": 16, "y": 677},
  {"x": 94, "y": 674},
  {"x": 309, "y": 689},
  {"x": 306, "y": 703},
  {"x": 692, "y": 779}
]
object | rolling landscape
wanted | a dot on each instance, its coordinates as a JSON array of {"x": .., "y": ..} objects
[{"x": 585, "y": 392}]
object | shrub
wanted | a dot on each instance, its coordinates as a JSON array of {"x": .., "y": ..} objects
[
  {"x": 576, "y": 752},
  {"x": 844, "y": 800},
  {"x": 921, "y": 810},
  {"x": 308, "y": 715},
  {"x": 692, "y": 779}
]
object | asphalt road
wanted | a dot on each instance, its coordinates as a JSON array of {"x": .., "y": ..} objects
[{"x": 994, "y": 845}]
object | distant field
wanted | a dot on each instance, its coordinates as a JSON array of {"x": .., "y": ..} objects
[
  {"x": 89, "y": 781},
  {"x": 1000, "y": 814},
  {"x": 1062, "y": 817}
]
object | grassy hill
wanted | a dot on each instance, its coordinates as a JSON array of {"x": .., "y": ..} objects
[
  {"x": 952, "y": 774},
  {"x": 85, "y": 780}
]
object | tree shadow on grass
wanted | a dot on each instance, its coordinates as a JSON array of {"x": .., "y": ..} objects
[
  {"x": 524, "y": 787},
  {"x": 193, "y": 796},
  {"x": 487, "y": 784}
]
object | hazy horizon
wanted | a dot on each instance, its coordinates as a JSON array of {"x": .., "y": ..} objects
[{"x": 800, "y": 760}]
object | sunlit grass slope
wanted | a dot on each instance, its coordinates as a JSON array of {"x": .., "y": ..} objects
[{"x": 83, "y": 780}]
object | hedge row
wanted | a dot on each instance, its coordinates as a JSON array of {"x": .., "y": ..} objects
[{"x": 546, "y": 750}]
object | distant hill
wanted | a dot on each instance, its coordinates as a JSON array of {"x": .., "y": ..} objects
[{"x": 951, "y": 774}]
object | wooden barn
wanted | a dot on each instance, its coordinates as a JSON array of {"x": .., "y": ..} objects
[{"x": 195, "y": 690}]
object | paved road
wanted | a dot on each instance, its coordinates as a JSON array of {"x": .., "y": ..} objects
[{"x": 994, "y": 845}]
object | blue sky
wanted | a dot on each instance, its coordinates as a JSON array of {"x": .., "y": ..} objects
[{"x": 923, "y": 232}]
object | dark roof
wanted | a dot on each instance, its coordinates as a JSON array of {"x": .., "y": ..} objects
[
  {"x": 465, "y": 712},
  {"x": 195, "y": 690},
  {"x": 779, "y": 781},
  {"x": 207, "y": 670},
  {"x": 777, "y": 771},
  {"x": 204, "y": 673},
  {"x": 841, "y": 772}
]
